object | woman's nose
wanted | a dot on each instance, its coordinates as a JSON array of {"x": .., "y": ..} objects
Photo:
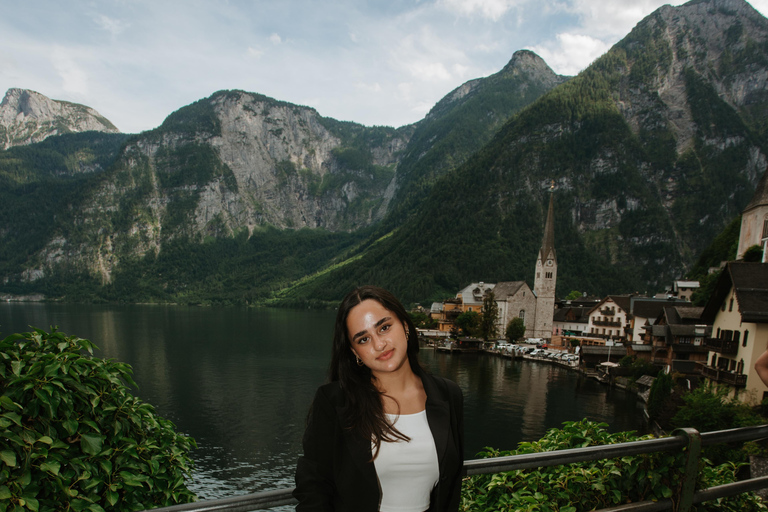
[{"x": 379, "y": 343}]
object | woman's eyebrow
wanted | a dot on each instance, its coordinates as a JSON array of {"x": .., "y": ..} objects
[{"x": 383, "y": 320}]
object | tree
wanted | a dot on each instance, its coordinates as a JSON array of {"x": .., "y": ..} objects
[
  {"x": 422, "y": 320},
  {"x": 489, "y": 317},
  {"x": 753, "y": 254},
  {"x": 468, "y": 322},
  {"x": 575, "y": 294},
  {"x": 76, "y": 439},
  {"x": 515, "y": 329}
]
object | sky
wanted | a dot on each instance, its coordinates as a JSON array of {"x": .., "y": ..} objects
[{"x": 375, "y": 62}]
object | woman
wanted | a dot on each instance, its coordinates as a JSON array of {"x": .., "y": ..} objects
[{"x": 383, "y": 435}]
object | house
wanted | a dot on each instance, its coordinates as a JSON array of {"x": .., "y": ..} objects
[
  {"x": 677, "y": 339},
  {"x": 608, "y": 319},
  {"x": 738, "y": 313},
  {"x": 571, "y": 320},
  {"x": 469, "y": 298},
  {"x": 683, "y": 289}
]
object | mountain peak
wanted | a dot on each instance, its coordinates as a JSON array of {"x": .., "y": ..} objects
[{"x": 27, "y": 117}]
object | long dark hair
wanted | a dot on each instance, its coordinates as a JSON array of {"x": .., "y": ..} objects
[{"x": 366, "y": 410}]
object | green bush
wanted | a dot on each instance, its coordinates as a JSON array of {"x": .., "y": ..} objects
[
  {"x": 595, "y": 484},
  {"x": 72, "y": 436}
]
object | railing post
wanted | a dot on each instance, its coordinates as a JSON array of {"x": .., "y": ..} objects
[{"x": 692, "y": 456}]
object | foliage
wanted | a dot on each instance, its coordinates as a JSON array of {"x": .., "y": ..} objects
[
  {"x": 489, "y": 314},
  {"x": 469, "y": 323},
  {"x": 575, "y": 294},
  {"x": 753, "y": 254},
  {"x": 660, "y": 391},
  {"x": 708, "y": 408},
  {"x": 422, "y": 320},
  {"x": 76, "y": 439},
  {"x": 515, "y": 329},
  {"x": 638, "y": 366},
  {"x": 592, "y": 485}
]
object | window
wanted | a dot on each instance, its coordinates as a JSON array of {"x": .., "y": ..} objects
[
  {"x": 714, "y": 360},
  {"x": 722, "y": 308},
  {"x": 736, "y": 336},
  {"x": 730, "y": 306},
  {"x": 746, "y": 335},
  {"x": 522, "y": 314},
  {"x": 538, "y": 275},
  {"x": 718, "y": 333},
  {"x": 765, "y": 228}
]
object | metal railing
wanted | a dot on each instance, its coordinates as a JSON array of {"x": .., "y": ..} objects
[{"x": 689, "y": 440}]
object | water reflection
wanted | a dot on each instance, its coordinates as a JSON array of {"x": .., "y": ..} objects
[{"x": 240, "y": 382}]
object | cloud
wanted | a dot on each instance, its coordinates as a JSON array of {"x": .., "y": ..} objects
[
  {"x": 490, "y": 9},
  {"x": 374, "y": 87},
  {"x": 571, "y": 53},
  {"x": 74, "y": 79},
  {"x": 254, "y": 53},
  {"x": 113, "y": 26},
  {"x": 275, "y": 39}
]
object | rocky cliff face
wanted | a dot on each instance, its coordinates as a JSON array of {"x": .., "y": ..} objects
[
  {"x": 235, "y": 161},
  {"x": 27, "y": 117}
]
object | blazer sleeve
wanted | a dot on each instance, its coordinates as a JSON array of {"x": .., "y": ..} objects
[
  {"x": 457, "y": 404},
  {"x": 314, "y": 472}
]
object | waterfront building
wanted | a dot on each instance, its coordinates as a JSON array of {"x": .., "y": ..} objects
[
  {"x": 676, "y": 340},
  {"x": 683, "y": 289},
  {"x": 738, "y": 313}
]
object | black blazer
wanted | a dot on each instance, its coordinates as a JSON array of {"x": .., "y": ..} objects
[{"x": 336, "y": 473}]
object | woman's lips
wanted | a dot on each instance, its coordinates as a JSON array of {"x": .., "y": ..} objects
[{"x": 386, "y": 355}]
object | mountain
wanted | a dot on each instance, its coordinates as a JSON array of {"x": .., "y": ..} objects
[
  {"x": 241, "y": 166},
  {"x": 463, "y": 122},
  {"x": 652, "y": 150},
  {"x": 28, "y": 116}
]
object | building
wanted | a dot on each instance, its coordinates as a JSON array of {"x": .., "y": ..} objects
[
  {"x": 677, "y": 339},
  {"x": 683, "y": 289},
  {"x": 515, "y": 299},
  {"x": 738, "y": 313},
  {"x": 754, "y": 221},
  {"x": 546, "y": 279}
]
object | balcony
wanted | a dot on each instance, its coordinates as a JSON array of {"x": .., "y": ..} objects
[
  {"x": 721, "y": 346},
  {"x": 734, "y": 379},
  {"x": 608, "y": 311},
  {"x": 607, "y": 323}
]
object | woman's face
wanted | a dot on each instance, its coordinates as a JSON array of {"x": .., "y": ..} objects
[{"x": 377, "y": 337}]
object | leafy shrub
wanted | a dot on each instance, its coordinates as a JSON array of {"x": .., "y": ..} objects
[
  {"x": 73, "y": 436},
  {"x": 594, "y": 484}
]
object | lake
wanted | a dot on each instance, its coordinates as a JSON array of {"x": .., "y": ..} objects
[{"x": 240, "y": 381}]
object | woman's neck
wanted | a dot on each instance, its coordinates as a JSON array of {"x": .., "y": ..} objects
[{"x": 402, "y": 392}]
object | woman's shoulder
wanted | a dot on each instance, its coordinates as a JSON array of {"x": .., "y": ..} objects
[
  {"x": 331, "y": 392},
  {"x": 446, "y": 386}
]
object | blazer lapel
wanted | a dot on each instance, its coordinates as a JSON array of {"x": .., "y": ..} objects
[
  {"x": 360, "y": 450},
  {"x": 438, "y": 416}
]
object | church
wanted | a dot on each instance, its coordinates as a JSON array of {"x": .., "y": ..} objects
[{"x": 514, "y": 298}]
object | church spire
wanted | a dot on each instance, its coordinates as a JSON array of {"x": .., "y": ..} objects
[{"x": 548, "y": 243}]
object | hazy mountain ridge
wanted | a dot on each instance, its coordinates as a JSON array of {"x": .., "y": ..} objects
[{"x": 27, "y": 117}]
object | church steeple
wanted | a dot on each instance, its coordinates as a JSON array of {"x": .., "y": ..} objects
[
  {"x": 547, "y": 250},
  {"x": 546, "y": 275}
]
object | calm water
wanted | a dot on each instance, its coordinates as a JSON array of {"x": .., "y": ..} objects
[{"x": 240, "y": 382}]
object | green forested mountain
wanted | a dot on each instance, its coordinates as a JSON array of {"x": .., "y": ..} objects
[
  {"x": 649, "y": 153},
  {"x": 652, "y": 150}
]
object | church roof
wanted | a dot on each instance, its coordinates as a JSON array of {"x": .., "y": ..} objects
[
  {"x": 761, "y": 193},
  {"x": 507, "y": 288},
  {"x": 548, "y": 243}
]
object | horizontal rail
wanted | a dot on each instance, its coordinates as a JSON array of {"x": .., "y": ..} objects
[{"x": 270, "y": 499}]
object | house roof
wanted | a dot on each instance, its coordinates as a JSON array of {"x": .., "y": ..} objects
[
  {"x": 474, "y": 293},
  {"x": 572, "y": 314},
  {"x": 507, "y": 288},
  {"x": 750, "y": 283}
]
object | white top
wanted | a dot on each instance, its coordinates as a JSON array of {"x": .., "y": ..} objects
[{"x": 408, "y": 471}]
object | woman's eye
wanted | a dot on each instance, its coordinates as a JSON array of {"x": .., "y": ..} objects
[
  {"x": 360, "y": 341},
  {"x": 385, "y": 328}
]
